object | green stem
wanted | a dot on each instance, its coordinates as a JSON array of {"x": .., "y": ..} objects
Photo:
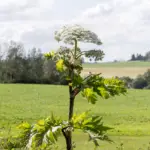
[
  {"x": 76, "y": 46},
  {"x": 68, "y": 134},
  {"x": 71, "y": 104},
  {"x": 71, "y": 75}
]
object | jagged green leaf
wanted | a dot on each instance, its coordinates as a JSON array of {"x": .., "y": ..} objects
[
  {"x": 105, "y": 88},
  {"x": 92, "y": 125},
  {"x": 90, "y": 95},
  {"x": 45, "y": 131},
  {"x": 77, "y": 80}
]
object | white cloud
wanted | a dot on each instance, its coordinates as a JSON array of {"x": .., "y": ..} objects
[
  {"x": 122, "y": 25},
  {"x": 8, "y": 2},
  {"x": 18, "y": 17},
  {"x": 97, "y": 11},
  {"x": 14, "y": 10}
]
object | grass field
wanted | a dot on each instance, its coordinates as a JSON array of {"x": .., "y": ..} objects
[
  {"x": 118, "y": 64},
  {"x": 131, "y": 69},
  {"x": 128, "y": 115}
]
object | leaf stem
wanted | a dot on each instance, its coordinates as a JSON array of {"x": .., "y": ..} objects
[{"x": 76, "y": 46}]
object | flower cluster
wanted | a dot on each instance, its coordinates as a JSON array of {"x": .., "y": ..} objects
[{"x": 68, "y": 34}]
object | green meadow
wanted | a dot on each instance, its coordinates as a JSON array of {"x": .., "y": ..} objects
[
  {"x": 129, "y": 115},
  {"x": 118, "y": 64}
]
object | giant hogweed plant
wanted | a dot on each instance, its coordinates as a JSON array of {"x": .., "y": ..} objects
[{"x": 45, "y": 133}]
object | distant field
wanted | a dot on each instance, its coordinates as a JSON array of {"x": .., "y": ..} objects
[
  {"x": 128, "y": 115},
  {"x": 120, "y": 69},
  {"x": 118, "y": 64}
]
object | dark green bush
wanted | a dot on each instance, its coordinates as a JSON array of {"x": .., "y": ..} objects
[
  {"x": 146, "y": 75},
  {"x": 128, "y": 81},
  {"x": 147, "y": 87},
  {"x": 139, "y": 83}
]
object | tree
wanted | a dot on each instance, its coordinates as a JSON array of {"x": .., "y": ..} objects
[
  {"x": 128, "y": 81},
  {"x": 146, "y": 76},
  {"x": 147, "y": 56},
  {"x": 13, "y": 63},
  {"x": 133, "y": 58},
  {"x": 140, "y": 82},
  {"x": 35, "y": 65},
  {"x": 82, "y": 60},
  {"x": 68, "y": 61},
  {"x": 137, "y": 57},
  {"x": 140, "y": 57},
  {"x": 17, "y": 66}
]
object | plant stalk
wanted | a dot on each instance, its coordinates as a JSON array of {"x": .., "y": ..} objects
[{"x": 68, "y": 132}]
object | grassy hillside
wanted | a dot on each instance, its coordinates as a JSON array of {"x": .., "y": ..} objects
[
  {"x": 128, "y": 115},
  {"x": 131, "y": 69},
  {"x": 118, "y": 64}
]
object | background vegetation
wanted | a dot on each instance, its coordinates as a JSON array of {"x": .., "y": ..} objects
[
  {"x": 140, "y": 82},
  {"x": 20, "y": 102},
  {"x": 140, "y": 57},
  {"x": 18, "y": 65}
]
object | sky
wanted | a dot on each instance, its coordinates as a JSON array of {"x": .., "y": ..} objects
[{"x": 122, "y": 25}]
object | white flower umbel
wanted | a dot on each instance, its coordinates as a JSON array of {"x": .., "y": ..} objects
[{"x": 69, "y": 33}]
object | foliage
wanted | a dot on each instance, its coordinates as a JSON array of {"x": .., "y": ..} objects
[
  {"x": 97, "y": 85},
  {"x": 68, "y": 61},
  {"x": 139, "y": 83},
  {"x": 45, "y": 132},
  {"x": 42, "y": 134},
  {"x": 147, "y": 87},
  {"x": 96, "y": 54},
  {"x": 140, "y": 57},
  {"x": 17, "y": 67},
  {"x": 146, "y": 76},
  {"x": 142, "y": 81},
  {"x": 92, "y": 125},
  {"x": 127, "y": 80}
]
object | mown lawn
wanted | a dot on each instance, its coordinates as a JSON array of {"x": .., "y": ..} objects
[{"x": 128, "y": 115}]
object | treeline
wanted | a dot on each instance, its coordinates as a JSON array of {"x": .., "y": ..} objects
[
  {"x": 139, "y": 57},
  {"x": 19, "y": 66},
  {"x": 140, "y": 82}
]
